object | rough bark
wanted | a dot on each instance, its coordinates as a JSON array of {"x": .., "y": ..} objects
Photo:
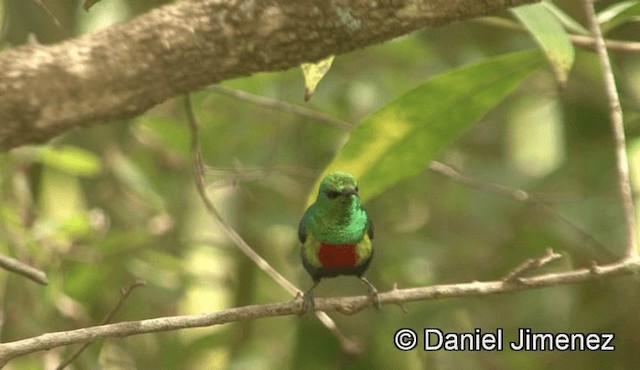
[{"x": 128, "y": 68}]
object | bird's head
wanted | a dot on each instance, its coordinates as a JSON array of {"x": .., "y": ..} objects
[{"x": 338, "y": 188}]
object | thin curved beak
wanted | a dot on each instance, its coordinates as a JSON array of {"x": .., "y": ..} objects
[{"x": 350, "y": 191}]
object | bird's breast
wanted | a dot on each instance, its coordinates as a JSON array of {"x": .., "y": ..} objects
[{"x": 337, "y": 256}]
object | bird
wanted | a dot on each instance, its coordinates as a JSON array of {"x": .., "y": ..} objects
[{"x": 336, "y": 234}]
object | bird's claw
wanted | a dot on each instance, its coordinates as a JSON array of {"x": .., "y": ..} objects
[
  {"x": 308, "y": 303},
  {"x": 373, "y": 294}
]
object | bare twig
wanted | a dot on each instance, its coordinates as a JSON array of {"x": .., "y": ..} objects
[
  {"x": 345, "y": 305},
  {"x": 232, "y": 176},
  {"x": 124, "y": 294},
  {"x": 235, "y": 237},
  {"x": 586, "y": 42},
  {"x": 614, "y": 45},
  {"x": 25, "y": 270},
  {"x": 53, "y": 17},
  {"x": 617, "y": 126},
  {"x": 227, "y": 228},
  {"x": 515, "y": 194},
  {"x": 282, "y": 106},
  {"x": 530, "y": 265},
  {"x": 455, "y": 175}
]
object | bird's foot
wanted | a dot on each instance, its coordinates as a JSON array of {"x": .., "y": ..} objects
[
  {"x": 308, "y": 303},
  {"x": 373, "y": 294}
]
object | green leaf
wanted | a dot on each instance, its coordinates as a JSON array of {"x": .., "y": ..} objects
[
  {"x": 617, "y": 14},
  {"x": 566, "y": 20},
  {"x": 313, "y": 73},
  {"x": 550, "y": 37},
  {"x": 398, "y": 141},
  {"x": 71, "y": 159}
]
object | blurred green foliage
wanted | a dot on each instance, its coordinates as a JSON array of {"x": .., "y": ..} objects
[{"x": 98, "y": 208}]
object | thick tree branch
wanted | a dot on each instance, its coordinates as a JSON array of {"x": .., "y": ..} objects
[
  {"x": 126, "y": 69},
  {"x": 345, "y": 305}
]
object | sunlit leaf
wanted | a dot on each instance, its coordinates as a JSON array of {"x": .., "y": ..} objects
[
  {"x": 398, "y": 141},
  {"x": 73, "y": 160},
  {"x": 313, "y": 73},
  {"x": 615, "y": 10},
  {"x": 617, "y": 14},
  {"x": 550, "y": 36}
]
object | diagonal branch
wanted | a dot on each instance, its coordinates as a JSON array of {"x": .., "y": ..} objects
[
  {"x": 345, "y": 305},
  {"x": 122, "y": 71},
  {"x": 124, "y": 294},
  {"x": 20, "y": 268},
  {"x": 346, "y": 343},
  {"x": 617, "y": 126},
  {"x": 517, "y": 195}
]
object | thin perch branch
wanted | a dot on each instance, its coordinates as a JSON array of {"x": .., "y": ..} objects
[
  {"x": 25, "y": 270},
  {"x": 346, "y": 305},
  {"x": 617, "y": 126}
]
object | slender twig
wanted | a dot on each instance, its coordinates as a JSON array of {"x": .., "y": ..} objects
[
  {"x": 124, "y": 294},
  {"x": 617, "y": 126},
  {"x": 53, "y": 17},
  {"x": 614, "y": 45},
  {"x": 345, "y": 305},
  {"x": 586, "y": 42},
  {"x": 529, "y": 265},
  {"x": 455, "y": 175},
  {"x": 231, "y": 176},
  {"x": 25, "y": 270},
  {"x": 282, "y": 106},
  {"x": 231, "y": 233},
  {"x": 515, "y": 194}
]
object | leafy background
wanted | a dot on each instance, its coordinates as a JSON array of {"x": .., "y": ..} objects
[{"x": 98, "y": 208}]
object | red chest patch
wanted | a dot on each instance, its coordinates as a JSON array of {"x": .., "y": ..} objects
[{"x": 337, "y": 256}]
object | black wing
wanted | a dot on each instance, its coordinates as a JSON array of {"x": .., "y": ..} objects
[{"x": 302, "y": 230}]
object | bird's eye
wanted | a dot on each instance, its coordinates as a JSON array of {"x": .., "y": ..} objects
[
  {"x": 332, "y": 194},
  {"x": 357, "y": 190}
]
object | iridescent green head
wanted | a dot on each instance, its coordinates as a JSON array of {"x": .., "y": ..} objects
[{"x": 338, "y": 187}]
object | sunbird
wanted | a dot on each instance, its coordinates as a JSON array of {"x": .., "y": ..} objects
[{"x": 336, "y": 235}]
